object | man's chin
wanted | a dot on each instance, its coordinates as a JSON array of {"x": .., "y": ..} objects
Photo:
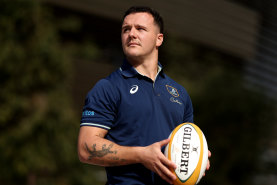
[
  {"x": 132, "y": 54},
  {"x": 134, "y": 58}
]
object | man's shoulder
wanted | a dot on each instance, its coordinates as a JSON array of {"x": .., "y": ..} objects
[
  {"x": 107, "y": 87},
  {"x": 114, "y": 76},
  {"x": 111, "y": 79},
  {"x": 175, "y": 84},
  {"x": 105, "y": 83}
]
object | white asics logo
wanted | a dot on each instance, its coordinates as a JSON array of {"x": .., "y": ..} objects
[{"x": 134, "y": 89}]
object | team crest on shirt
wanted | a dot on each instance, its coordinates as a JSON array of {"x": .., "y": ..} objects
[{"x": 173, "y": 91}]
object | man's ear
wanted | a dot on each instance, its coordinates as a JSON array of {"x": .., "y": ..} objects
[{"x": 160, "y": 38}]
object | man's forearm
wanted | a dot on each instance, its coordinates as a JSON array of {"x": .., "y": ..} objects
[
  {"x": 93, "y": 148},
  {"x": 101, "y": 151}
]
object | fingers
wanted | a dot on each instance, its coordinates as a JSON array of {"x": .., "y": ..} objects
[
  {"x": 163, "y": 170},
  {"x": 168, "y": 163},
  {"x": 164, "y": 166},
  {"x": 208, "y": 163},
  {"x": 164, "y": 142},
  {"x": 165, "y": 174},
  {"x": 207, "y": 168},
  {"x": 157, "y": 162}
]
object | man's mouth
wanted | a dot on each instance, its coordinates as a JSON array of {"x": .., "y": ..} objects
[{"x": 133, "y": 44}]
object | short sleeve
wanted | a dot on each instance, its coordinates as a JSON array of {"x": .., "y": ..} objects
[
  {"x": 100, "y": 106},
  {"x": 188, "y": 113}
]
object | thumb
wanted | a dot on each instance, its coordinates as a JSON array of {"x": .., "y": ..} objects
[{"x": 164, "y": 142}]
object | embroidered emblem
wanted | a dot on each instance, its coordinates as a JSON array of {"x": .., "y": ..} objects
[{"x": 173, "y": 91}]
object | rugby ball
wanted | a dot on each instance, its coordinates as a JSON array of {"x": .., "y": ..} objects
[{"x": 188, "y": 149}]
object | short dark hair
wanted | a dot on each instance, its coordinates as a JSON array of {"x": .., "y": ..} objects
[{"x": 138, "y": 9}]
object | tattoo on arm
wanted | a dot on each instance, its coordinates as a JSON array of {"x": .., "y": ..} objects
[{"x": 100, "y": 153}]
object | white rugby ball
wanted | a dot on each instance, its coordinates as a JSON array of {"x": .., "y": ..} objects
[{"x": 188, "y": 149}]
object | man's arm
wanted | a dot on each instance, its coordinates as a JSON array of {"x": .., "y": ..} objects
[{"x": 93, "y": 148}]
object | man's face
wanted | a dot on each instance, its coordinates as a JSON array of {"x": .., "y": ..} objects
[{"x": 140, "y": 36}]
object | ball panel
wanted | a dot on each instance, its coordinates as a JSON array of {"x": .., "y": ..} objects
[
  {"x": 172, "y": 135},
  {"x": 195, "y": 176},
  {"x": 188, "y": 143},
  {"x": 205, "y": 159}
]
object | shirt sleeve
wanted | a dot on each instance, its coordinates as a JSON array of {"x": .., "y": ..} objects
[
  {"x": 100, "y": 106},
  {"x": 188, "y": 113}
]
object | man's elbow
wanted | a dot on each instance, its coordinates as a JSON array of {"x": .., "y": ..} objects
[
  {"x": 82, "y": 159},
  {"x": 83, "y": 156}
]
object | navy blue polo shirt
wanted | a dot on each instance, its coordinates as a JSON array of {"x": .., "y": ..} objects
[{"x": 136, "y": 112}]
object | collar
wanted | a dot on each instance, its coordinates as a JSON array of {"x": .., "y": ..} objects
[{"x": 128, "y": 70}]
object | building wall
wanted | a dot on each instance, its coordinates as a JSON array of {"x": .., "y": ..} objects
[
  {"x": 221, "y": 24},
  {"x": 261, "y": 71}
]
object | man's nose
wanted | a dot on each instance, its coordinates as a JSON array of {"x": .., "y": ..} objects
[{"x": 133, "y": 33}]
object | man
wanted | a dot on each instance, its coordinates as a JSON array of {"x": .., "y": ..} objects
[{"x": 128, "y": 115}]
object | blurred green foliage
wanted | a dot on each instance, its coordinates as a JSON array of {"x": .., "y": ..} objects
[{"x": 38, "y": 128}]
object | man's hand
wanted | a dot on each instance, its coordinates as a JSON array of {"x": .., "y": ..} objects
[{"x": 153, "y": 159}]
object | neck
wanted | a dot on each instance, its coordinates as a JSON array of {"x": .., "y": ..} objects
[{"x": 147, "y": 68}]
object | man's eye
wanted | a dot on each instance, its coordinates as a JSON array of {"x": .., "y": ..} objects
[{"x": 125, "y": 30}]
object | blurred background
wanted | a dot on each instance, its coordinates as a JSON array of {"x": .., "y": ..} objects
[{"x": 52, "y": 52}]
